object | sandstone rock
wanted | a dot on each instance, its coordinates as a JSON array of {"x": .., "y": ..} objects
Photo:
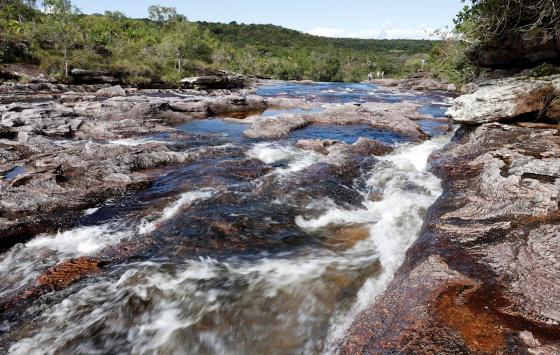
[
  {"x": 318, "y": 145},
  {"x": 277, "y": 126},
  {"x": 518, "y": 50},
  {"x": 246, "y": 169},
  {"x": 397, "y": 118},
  {"x": 504, "y": 99},
  {"x": 485, "y": 270},
  {"x": 218, "y": 80},
  {"x": 112, "y": 91},
  {"x": 82, "y": 76}
]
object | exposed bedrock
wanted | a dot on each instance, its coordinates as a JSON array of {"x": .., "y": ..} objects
[
  {"x": 396, "y": 118},
  {"x": 484, "y": 275},
  {"x": 518, "y": 50},
  {"x": 62, "y": 156},
  {"x": 522, "y": 98}
]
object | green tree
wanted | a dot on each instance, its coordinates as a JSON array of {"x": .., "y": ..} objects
[
  {"x": 485, "y": 20},
  {"x": 164, "y": 15},
  {"x": 60, "y": 28}
]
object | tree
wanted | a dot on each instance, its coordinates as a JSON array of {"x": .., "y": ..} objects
[
  {"x": 164, "y": 15},
  {"x": 60, "y": 28},
  {"x": 486, "y": 20},
  {"x": 14, "y": 14}
]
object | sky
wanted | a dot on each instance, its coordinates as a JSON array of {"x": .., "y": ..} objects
[{"x": 333, "y": 18}]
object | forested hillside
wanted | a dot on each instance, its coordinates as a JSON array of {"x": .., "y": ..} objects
[{"x": 54, "y": 35}]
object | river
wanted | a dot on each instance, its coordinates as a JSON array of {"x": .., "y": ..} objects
[{"x": 279, "y": 264}]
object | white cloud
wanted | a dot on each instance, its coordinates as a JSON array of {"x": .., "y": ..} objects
[
  {"x": 327, "y": 32},
  {"x": 387, "y": 31}
]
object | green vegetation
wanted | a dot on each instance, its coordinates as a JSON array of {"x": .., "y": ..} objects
[
  {"x": 486, "y": 20},
  {"x": 483, "y": 21},
  {"x": 165, "y": 47}
]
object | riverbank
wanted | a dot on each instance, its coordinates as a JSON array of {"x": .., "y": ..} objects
[{"x": 483, "y": 276}]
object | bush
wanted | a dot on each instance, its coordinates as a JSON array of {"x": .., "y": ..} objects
[
  {"x": 487, "y": 20},
  {"x": 448, "y": 61}
]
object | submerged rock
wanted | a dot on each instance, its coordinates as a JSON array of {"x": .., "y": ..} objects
[{"x": 66, "y": 171}]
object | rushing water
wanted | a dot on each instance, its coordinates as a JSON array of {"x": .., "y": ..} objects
[{"x": 276, "y": 265}]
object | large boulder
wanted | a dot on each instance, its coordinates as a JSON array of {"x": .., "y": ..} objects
[
  {"x": 518, "y": 50},
  {"x": 112, "y": 91},
  {"x": 218, "y": 80},
  {"x": 502, "y": 100}
]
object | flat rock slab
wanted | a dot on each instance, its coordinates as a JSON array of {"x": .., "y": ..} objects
[{"x": 504, "y": 99}]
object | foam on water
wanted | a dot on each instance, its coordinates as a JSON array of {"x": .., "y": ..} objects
[
  {"x": 20, "y": 265},
  {"x": 184, "y": 295},
  {"x": 294, "y": 159},
  {"x": 408, "y": 190},
  {"x": 184, "y": 200}
]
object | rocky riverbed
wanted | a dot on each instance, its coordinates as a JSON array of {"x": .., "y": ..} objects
[
  {"x": 156, "y": 220},
  {"x": 483, "y": 276},
  {"x": 280, "y": 218}
]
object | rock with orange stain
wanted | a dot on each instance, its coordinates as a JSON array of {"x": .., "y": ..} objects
[
  {"x": 485, "y": 270},
  {"x": 343, "y": 238},
  {"x": 67, "y": 272},
  {"x": 404, "y": 320}
]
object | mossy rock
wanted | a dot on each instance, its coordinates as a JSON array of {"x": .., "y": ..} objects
[{"x": 545, "y": 70}]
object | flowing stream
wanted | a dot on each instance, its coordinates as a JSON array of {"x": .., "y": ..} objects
[{"x": 280, "y": 264}]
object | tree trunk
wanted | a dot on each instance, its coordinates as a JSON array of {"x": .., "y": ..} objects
[
  {"x": 179, "y": 67},
  {"x": 66, "y": 62}
]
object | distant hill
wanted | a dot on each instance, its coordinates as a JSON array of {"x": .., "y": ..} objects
[
  {"x": 267, "y": 36},
  {"x": 288, "y": 54},
  {"x": 167, "y": 47}
]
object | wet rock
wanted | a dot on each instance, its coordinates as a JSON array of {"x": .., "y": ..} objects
[
  {"x": 68, "y": 178},
  {"x": 505, "y": 100},
  {"x": 363, "y": 147},
  {"x": 485, "y": 269},
  {"x": 246, "y": 169},
  {"x": 408, "y": 317},
  {"x": 318, "y": 145}
]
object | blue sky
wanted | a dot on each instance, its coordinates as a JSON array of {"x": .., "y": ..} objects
[{"x": 336, "y": 18}]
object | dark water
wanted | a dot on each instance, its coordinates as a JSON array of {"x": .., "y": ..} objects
[{"x": 254, "y": 247}]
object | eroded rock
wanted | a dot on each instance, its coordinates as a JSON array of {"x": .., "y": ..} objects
[
  {"x": 506, "y": 99},
  {"x": 484, "y": 273}
]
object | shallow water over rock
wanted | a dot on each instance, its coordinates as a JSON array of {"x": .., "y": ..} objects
[{"x": 259, "y": 247}]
